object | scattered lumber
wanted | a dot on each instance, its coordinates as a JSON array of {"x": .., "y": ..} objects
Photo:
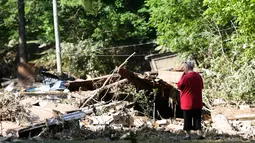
[
  {"x": 142, "y": 83},
  {"x": 98, "y": 91},
  {"x": 222, "y": 125},
  {"x": 9, "y": 81},
  {"x": 89, "y": 84},
  {"x": 31, "y": 111},
  {"x": 45, "y": 93}
]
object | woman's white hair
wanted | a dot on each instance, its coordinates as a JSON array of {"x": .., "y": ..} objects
[{"x": 189, "y": 64}]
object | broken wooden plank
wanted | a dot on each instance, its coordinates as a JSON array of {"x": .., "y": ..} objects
[
  {"x": 95, "y": 105},
  {"x": 140, "y": 121},
  {"x": 222, "y": 125},
  {"x": 173, "y": 127},
  {"x": 234, "y": 113},
  {"x": 45, "y": 93},
  {"x": 151, "y": 73},
  {"x": 110, "y": 105},
  {"x": 89, "y": 83},
  {"x": 101, "y": 120},
  {"x": 40, "y": 114},
  {"x": 142, "y": 83},
  {"x": 5, "y": 126},
  {"x": 6, "y": 83},
  {"x": 243, "y": 117},
  {"x": 98, "y": 91},
  {"x": 53, "y": 121},
  {"x": 171, "y": 77},
  {"x": 58, "y": 107}
]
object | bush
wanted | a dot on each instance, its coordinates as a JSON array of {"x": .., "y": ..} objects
[
  {"x": 83, "y": 59},
  {"x": 233, "y": 84}
]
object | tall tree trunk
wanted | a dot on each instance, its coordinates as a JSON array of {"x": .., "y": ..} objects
[{"x": 22, "y": 32}]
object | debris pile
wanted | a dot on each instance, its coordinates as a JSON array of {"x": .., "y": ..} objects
[{"x": 115, "y": 106}]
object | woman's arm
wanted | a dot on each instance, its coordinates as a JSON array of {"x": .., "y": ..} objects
[{"x": 181, "y": 83}]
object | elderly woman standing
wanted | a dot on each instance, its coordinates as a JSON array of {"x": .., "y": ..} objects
[{"x": 190, "y": 86}]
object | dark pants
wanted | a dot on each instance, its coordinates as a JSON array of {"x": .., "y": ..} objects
[{"x": 192, "y": 119}]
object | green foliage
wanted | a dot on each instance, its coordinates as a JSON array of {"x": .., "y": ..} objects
[
  {"x": 96, "y": 23},
  {"x": 47, "y": 60},
  {"x": 219, "y": 35},
  {"x": 237, "y": 86},
  {"x": 142, "y": 99},
  {"x": 109, "y": 21},
  {"x": 82, "y": 58}
]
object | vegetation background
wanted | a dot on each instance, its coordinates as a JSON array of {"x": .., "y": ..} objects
[{"x": 219, "y": 35}]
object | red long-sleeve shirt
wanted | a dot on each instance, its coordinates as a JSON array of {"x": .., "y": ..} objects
[{"x": 190, "y": 86}]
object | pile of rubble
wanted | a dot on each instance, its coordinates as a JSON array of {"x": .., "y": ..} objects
[{"x": 115, "y": 106}]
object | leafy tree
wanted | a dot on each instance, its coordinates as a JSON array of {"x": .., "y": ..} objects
[
  {"x": 216, "y": 34},
  {"x": 180, "y": 26}
]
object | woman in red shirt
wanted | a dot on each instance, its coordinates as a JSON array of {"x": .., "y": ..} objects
[{"x": 190, "y": 86}]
